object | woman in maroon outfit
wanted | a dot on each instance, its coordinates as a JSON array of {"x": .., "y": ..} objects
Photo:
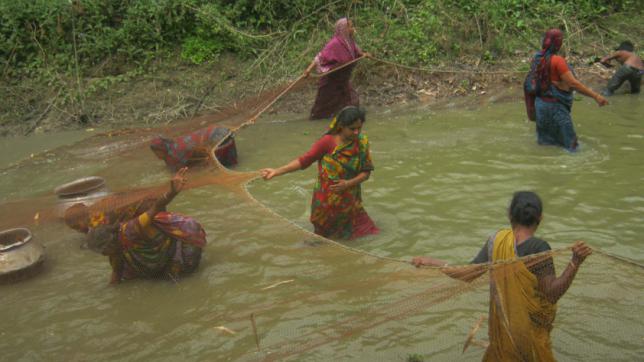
[{"x": 334, "y": 90}]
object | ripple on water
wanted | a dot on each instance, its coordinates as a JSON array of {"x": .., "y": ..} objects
[{"x": 442, "y": 184}]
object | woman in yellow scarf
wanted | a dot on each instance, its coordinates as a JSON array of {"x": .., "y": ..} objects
[{"x": 523, "y": 293}]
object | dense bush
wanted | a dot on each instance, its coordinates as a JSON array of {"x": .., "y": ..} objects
[{"x": 64, "y": 34}]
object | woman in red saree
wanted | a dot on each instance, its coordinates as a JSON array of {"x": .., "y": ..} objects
[
  {"x": 344, "y": 162},
  {"x": 334, "y": 90}
]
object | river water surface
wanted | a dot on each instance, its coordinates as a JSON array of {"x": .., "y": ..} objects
[{"x": 442, "y": 184}]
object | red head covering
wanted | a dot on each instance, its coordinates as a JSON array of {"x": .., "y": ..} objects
[{"x": 552, "y": 41}]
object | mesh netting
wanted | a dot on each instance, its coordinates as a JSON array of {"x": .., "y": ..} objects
[{"x": 369, "y": 301}]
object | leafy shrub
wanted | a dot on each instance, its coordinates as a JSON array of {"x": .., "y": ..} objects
[
  {"x": 198, "y": 50},
  {"x": 61, "y": 34}
]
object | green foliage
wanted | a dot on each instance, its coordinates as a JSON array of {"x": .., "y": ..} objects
[
  {"x": 73, "y": 36},
  {"x": 198, "y": 50},
  {"x": 420, "y": 25},
  {"x": 104, "y": 83}
]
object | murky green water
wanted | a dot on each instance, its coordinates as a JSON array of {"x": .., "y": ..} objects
[
  {"x": 13, "y": 150},
  {"x": 441, "y": 186}
]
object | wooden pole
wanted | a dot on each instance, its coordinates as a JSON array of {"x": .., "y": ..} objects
[{"x": 252, "y": 321}]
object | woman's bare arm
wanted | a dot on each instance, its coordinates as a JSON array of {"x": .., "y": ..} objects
[
  {"x": 554, "y": 287},
  {"x": 466, "y": 273},
  {"x": 177, "y": 183},
  {"x": 269, "y": 173},
  {"x": 570, "y": 79}
]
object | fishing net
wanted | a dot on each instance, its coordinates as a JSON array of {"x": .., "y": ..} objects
[{"x": 388, "y": 306}]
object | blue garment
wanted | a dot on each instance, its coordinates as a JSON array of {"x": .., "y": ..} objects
[
  {"x": 530, "y": 82},
  {"x": 562, "y": 97},
  {"x": 534, "y": 87},
  {"x": 552, "y": 109},
  {"x": 554, "y": 124}
]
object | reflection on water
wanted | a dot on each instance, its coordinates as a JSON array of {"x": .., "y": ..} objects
[{"x": 441, "y": 186}]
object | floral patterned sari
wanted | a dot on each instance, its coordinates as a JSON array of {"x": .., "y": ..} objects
[
  {"x": 341, "y": 214},
  {"x": 104, "y": 213},
  {"x": 168, "y": 245}
]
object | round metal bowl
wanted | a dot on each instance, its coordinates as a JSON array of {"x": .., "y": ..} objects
[
  {"x": 86, "y": 191},
  {"x": 80, "y": 187},
  {"x": 20, "y": 255}
]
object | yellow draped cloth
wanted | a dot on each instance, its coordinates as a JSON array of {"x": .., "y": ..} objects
[{"x": 520, "y": 317}]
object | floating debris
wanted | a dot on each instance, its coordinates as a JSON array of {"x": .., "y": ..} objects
[
  {"x": 226, "y": 329},
  {"x": 278, "y": 283}
]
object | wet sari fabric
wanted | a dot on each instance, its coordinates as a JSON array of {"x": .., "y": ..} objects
[
  {"x": 193, "y": 148},
  {"x": 102, "y": 213},
  {"x": 546, "y": 104},
  {"x": 335, "y": 90},
  {"x": 165, "y": 246},
  {"x": 520, "y": 318},
  {"x": 341, "y": 215}
]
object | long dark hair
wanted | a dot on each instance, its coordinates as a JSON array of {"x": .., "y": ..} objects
[
  {"x": 347, "y": 116},
  {"x": 525, "y": 209}
]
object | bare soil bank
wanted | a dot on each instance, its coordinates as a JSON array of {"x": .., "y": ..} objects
[{"x": 173, "y": 92}]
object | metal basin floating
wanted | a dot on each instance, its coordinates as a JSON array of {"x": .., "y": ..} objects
[
  {"x": 86, "y": 190},
  {"x": 20, "y": 256},
  {"x": 82, "y": 186}
]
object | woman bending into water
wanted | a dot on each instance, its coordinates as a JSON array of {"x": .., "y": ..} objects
[
  {"x": 111, "y": 209},
  {"x": 156, "y": 244},
  {"x": 523, "y": 295},
  {"x": 344, "y": 162},
  {"x": 334, "y": 90},
  {"x": 194, "y": 148}
]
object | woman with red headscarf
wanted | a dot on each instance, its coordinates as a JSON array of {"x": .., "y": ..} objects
[
  {"x": 334, "y": 90},
  {"x": 548, "y": 91}
]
